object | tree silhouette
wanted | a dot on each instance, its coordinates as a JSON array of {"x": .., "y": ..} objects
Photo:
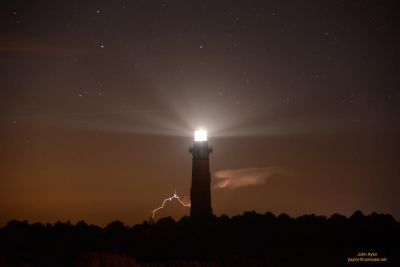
[{"x": 251, "y": 239}]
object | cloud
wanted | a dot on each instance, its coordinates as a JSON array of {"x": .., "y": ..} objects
[{"x": 235, "y": 178}]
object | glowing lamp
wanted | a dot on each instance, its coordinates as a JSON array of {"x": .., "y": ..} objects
[{"x": 200, "y": 135}]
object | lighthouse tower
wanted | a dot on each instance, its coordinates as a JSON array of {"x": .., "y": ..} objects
[{"x": 200, "y": 195}]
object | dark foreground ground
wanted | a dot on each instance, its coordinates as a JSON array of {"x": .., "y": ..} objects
[{"x": 248, "y": 240}]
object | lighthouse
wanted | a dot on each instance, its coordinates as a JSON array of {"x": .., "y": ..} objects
[{"x": 200, "y": 194}]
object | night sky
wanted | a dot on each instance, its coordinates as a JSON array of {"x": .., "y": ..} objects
[{"x": 99, "y": 101}]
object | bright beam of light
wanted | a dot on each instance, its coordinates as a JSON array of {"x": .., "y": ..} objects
[
  {"x": 174, "y": 196},
  {"x": 200, "y": 135}
]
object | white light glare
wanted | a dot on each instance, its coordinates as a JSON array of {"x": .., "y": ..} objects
[{"x": 200, "y": 135}]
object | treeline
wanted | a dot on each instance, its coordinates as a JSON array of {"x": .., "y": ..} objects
[{"x": 250, "y": 239}]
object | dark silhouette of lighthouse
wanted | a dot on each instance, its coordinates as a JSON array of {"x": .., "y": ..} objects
[{"x": 200, "y": 195}]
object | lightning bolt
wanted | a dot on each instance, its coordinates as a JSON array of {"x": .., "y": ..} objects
[{"x": 174, "y": 196}]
